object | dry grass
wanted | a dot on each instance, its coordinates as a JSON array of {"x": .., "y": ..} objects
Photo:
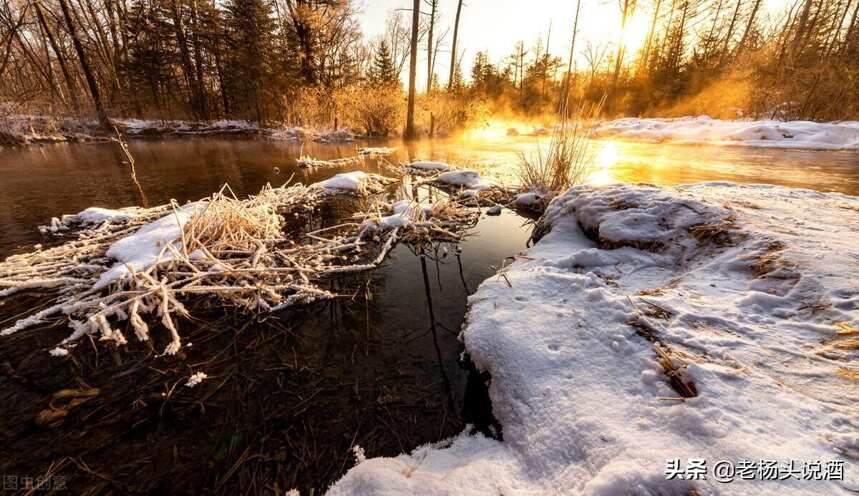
[
  {"x": 568, "y": 159},
  {"x": 226, "y": 223}
]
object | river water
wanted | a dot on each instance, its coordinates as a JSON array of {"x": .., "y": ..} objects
[{"x": 383, "y": 372}]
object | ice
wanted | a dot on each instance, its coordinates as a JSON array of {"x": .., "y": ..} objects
[
  {"x": 764, "y": 133},
  {"x": 747, "y": 287}
]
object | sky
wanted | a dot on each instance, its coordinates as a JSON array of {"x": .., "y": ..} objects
[{"x": 496, "y": 25}]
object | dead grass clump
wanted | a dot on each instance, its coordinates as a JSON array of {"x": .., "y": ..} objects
[
  {"x": 226, "y": 223},
  {"x": 674, "y": 369},
  {"x": 722, "y": 233},
  {"x": 568, "y": 159},
  {"x": 308, "y": 162},
  {"x": 769, "y": 260}
]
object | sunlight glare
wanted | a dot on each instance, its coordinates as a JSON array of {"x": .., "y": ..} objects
[{"x": 604, "y": 161}]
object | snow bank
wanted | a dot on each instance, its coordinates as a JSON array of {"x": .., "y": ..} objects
[
  {"x": 743, "y": 285},
  {"x": 147, "y": 246},
  {"x": 767, "y": 133}
]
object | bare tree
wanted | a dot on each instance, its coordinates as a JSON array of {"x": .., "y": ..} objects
[
  {"x": 566, "y": 94},
  {"x": 85, "y": 67},
  {"x": 413, "y": 66},
  {"x": 453, "y": 48},
  {"x": 433, "y": 14}
]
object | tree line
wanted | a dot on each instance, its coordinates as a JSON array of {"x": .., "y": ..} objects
[{"x": 306, "y": 62}]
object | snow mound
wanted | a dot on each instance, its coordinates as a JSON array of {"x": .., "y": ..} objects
[
  {"x": 465, "y": 466},
  {"x": 766, "y": 133},
  {"x": 469, "y": 180},
  {"x": 430, "y": 166},
  {"x": 405, "y": 213},
  {"x": 750, "y": 293},
  {"x": 148, "y": 245},
  {"x": 98, "y": 215},
  {"x": 350, "y": 181}
]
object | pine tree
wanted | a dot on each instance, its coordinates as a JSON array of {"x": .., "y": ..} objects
[
  {"x": 250, "y": 51},
  {"x": 383, "y": 72}
]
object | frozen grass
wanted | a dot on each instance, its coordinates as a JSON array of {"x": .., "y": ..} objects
[{"x": 144, "y": 266}]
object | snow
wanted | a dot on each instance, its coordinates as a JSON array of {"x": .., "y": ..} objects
[
  {"x": 196, "y": 379},
  {"x": 430, "y": 166},
  {"x": 147, "y": 246},
  {"x": 405, "y": 212},
  {"x": 747, "y": 286},
  {"x": 763, "y": 133},
  {"x": 346, "y": 181},
  {"x": 468, "y": 179},
  {"x": 529, "y": 198},
  {"x": 58, "y": 352},
  {"x": 98, "y": 215}
]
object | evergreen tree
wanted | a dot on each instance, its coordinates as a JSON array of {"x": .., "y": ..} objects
[
  {"x": 382, "y": 71},
  {"x": 250, "y": 51}
]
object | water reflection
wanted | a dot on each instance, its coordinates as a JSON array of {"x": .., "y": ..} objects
[{"x": 37, "y": 183}]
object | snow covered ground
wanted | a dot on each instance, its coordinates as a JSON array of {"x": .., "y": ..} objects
[
  {"x": 767, "y": 133},
  {"x": 651, "y": 332}
]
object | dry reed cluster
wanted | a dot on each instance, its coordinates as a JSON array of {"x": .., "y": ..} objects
[{"x": 567, "y": 160}]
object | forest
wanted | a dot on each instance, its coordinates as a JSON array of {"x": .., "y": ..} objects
[{"x": 307, "y": 63}]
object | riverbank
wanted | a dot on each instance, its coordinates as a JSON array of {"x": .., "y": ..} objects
[
  {"x": 714, "y": 321},
  {"x": 754, "y": 133},
  {"x": 22, "y": 130}
]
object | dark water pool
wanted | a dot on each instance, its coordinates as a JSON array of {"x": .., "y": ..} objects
[{"x": 288, "y": 396}]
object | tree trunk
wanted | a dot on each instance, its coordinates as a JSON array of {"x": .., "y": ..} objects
[
  {"x": 413, "y": 66},
  {"x": 187, "y": 66},
  {"x": 88, "y": 74},
  {"x": 620, "y": 49},
  {"x": 433, "y": 6},
  {"x": 749, "y": 26},
  {"x": 647, "y": 46},
  {"x": 565, "y": 97},
  {"x": 453, "y": 48},
  {"x": 71, "y": 88},
  {"x": 730, "y": 31}
]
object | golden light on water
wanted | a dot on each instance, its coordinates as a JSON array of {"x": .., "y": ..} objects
[{"x": 604, "y": 161}]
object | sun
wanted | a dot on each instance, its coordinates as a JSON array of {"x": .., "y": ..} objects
[{"x": 635, "y": 33}]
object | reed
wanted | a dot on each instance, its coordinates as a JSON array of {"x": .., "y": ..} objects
[{"x": 568, "y": 159}]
